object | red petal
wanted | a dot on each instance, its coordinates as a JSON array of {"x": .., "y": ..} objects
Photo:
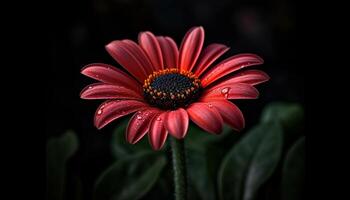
[
  {"x": 112, "y": 110},
  {"x": 230, "y": 113},
  {"x": 111, "y": 75},
  {"x": 107, "y": 91},
  {"x": 130, "y": 58},
  {"x": 141, "y": 55},
  {"x": 176, "y": 122},
  {"x": 230, "y": 91},
  {"x": 230, "y": 65},
  {"x": 191, "y": 47},
  {"x": 206, "y": 116},
  {"x": 157, "y": 133},
  {"x": 209, "y": 55},
  {"x": 251, "y": 77},
  {"x": 170, "y": 52},
  {"x": 139, "y": 124},
  {"x": 150, "y": 45}
]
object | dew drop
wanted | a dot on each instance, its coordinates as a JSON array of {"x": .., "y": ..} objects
[
  {"x": 99, "y": 112},
  {"x": 139, "y": 117},
  {"x": 159, "y": 119},
  {"x": 97, "y": 75},
  {"x": 90, "y": 87},
  {"x": 224, "y": 91},
  {"x": 210, "y": 105}
]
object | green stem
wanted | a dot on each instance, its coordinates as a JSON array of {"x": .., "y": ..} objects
[{"x": 179, "y": 167}]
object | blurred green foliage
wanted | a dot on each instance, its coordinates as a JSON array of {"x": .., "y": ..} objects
[
  {"x": 293, "y": 177},
  {"x": 238, "y": 166},
  {"x": 250, "y": 162},
  {"x": 59, "y": 150},
  {"x": 130, "y": 177}
]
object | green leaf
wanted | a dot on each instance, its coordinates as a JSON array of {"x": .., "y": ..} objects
[
  {"x": 204, "y": 159},
  {"x": 59, "y": 150},
  {"x": 121, "y": 148},
  {"x": 198, "y": 139},
  {"x": 293, "y": 173},
  {"x": 199, "y": 175},
  {"x": 250, "y": 162},
  {"x": 129, "y": 178},
  {"x": 290, "y": 115}
]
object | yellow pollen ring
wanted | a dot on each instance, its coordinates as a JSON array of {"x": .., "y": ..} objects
[{"x": 174, "y": 99}]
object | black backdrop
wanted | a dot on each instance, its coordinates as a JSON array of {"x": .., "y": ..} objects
[{"x": 80, "y": 29}]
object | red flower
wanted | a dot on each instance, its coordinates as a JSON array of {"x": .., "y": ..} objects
[{"x": 167, "y": 87}]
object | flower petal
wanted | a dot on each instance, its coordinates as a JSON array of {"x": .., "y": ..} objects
[
  {"x": 139, "y": 124},
  {"x": 190, "y": 48},
  {"x": 111, "y": 75},
  {"x": 176, "y": 122},
  {"x": 130, "y": 57},
  {"x": 209, "y": 55},
  {"x": 141, "y": 55},
  {"x": 108, "y": 91},
  {"x": 150, "y": 45},
  {"x": 206, "y": 116},
  {"x": 228, "y": 66},
  {"x": 251, "y": 77},
  {"x": 114, "y": 109},
  {"x": 157, "y": 133},
  {"x": 230, "y": 91},
  {"x": 170, "y": 52},
  {"x": 230, "y": 113}
]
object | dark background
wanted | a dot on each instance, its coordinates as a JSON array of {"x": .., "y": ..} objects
[{"x": 81, "y": 29}]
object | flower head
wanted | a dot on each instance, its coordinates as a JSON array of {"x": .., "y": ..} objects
[{"x": 166, "y": 87}]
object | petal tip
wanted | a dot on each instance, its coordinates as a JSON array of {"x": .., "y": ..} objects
[
  {"x": 201, "y": 28},
  {"x": 260, "y": 59}
]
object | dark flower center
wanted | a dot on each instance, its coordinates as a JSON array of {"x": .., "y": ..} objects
[{"x": 171, "y": 88}]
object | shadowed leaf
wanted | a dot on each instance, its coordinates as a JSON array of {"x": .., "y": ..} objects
[
  {"x": 129, "y": 178},
  {"x": 250, "y": 162},
  {"x": 293, "y": 174},
  {"x": 290, "y": 115},
  {"x": 59, "y": 150}
]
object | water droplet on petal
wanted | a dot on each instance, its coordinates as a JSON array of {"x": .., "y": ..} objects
[
  {"x": 97, "y": 75},
  {"x": 159, "y": 119},
  {"x": 139, "y": 117},
  {"x": 210, "y": 105},
  {"x": 224, "y": 91},
  {"x": 90, "y": 87},
  {"x": 99, "y": 112}
]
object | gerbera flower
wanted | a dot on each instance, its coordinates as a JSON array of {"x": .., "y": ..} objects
[{"x": 166, "y": 87}]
